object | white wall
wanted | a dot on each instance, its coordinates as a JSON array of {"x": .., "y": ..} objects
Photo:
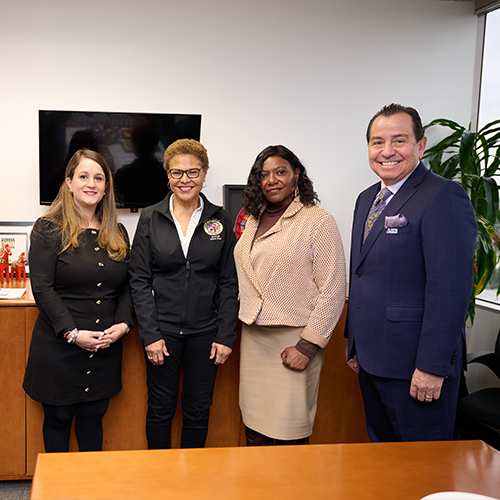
[{"x": 305, "y": 73}]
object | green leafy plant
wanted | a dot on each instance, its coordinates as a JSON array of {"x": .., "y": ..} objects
[{"x": 473, "y": 160}]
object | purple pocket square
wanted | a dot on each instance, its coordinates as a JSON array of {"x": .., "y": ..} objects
[{"x": 395, "y": 221}]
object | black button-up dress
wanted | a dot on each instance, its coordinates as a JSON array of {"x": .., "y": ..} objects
[{"x": 78, "y": 288}]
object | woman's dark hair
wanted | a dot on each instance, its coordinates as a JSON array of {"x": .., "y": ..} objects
[{"x": 253, "y": 198}]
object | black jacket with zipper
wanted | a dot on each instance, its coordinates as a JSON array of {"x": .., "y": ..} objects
[{"x": 178, "y": 295}]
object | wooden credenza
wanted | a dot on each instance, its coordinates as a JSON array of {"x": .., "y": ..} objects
[{"x": 339, "y": 419}]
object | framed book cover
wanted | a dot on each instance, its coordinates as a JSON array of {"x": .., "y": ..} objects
[{"x": 14, "y": 242}]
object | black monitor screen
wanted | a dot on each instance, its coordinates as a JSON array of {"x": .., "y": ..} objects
[{"x": 133, "y": 144}]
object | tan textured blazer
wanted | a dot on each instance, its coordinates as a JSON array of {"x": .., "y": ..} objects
[{"x": 293, "y": 275}]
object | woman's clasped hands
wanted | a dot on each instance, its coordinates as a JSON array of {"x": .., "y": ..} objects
[{"x": 92, "y": 341}]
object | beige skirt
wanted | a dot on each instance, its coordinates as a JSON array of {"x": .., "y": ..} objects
[{"x": 276, "y": 401}]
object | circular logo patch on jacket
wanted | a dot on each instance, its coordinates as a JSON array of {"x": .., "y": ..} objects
[{"x": 213, "y": 227}]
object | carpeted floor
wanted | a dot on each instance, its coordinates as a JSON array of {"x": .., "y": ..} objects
[{"x": 15, "y": 490}]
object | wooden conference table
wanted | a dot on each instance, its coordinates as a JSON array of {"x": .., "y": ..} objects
[{"x": 388, "y": 471}]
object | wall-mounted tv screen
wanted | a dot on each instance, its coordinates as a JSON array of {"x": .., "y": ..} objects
[{"x": 133, "y": 144}]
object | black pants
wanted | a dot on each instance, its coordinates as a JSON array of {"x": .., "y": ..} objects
[
  {"x": 192, "y": 353},
  {"x": 88, "y": 425}
]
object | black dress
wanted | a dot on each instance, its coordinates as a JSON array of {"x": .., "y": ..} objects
[{"x": 78, "y": 288}]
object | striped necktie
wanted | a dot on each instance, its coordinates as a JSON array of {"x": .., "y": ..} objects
[{"x": 376, "y": 210}]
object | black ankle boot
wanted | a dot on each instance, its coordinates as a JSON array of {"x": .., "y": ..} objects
[{"x": 255, "y": 438}]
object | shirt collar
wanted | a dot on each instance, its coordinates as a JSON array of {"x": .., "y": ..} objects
[
  {"x": 199, "y": 209},
  {"x": 394, "y": 188}
]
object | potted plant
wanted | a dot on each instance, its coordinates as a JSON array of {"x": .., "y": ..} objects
[{"x": 473, "y": 160}]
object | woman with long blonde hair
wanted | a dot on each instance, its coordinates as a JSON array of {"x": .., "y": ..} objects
[{"x": 78, "y": 266}]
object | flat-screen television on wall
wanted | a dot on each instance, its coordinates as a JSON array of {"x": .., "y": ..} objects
[{"x": 133, "y": 144}]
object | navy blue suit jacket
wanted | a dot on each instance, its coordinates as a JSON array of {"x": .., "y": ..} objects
[{"x": 409, "y": 290}]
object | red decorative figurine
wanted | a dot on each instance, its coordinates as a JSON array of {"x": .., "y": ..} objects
[
  {"x": 19, "y": 267},
  {"x": 4, "y": 262}
]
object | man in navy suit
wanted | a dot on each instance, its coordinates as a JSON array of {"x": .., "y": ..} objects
[{"x": 411, "y": 276}]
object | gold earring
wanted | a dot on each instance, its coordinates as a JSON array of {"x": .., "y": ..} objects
[
  {"x": 71, "y": 192},
  {"x": 297, "y": 192}
]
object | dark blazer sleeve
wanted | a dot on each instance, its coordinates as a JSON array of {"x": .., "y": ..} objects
[
  {"x": 449, "y": 232},
  {"x": 141, "y": 281},
  {"x": 43, "y": 253},
  {"x": 227, "y": 314},
  {"x": 124, "y": 308}
]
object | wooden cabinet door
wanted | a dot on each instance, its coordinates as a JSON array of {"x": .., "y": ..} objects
[{"x": 12, "y": 408}]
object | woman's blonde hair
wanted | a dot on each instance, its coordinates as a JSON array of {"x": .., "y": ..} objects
[{"x": 67, "y": 217}]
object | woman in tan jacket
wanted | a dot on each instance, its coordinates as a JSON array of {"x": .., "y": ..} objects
[{"x": 291, "y": 272}]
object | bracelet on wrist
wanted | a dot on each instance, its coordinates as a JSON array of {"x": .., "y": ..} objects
[
  {"x": 68, "y": 333},
  {"x": 71, "y": 336}
]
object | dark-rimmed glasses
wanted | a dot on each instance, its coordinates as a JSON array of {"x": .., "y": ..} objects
[{"x": 192, "y": 173}]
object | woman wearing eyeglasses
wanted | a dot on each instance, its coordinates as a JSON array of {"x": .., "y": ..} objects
[{"x": 184, "y": 289}]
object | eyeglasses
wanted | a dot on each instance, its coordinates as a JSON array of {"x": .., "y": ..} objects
[{"x": 192, "y": 173}]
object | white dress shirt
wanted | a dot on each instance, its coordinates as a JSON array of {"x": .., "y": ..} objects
[{"x": 195, "y": 218}]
